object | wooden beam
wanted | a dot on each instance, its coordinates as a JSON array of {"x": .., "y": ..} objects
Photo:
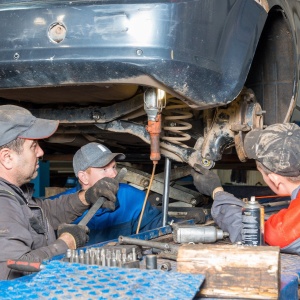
[{"x": 233, "y": 271}]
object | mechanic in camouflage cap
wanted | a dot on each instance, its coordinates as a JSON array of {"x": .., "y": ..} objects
[{"x": 276, "y": 150}]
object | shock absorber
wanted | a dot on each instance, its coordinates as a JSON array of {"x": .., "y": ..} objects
[
  {"x": 154, "y": 102},
  {"x": 175, "y": 113}
]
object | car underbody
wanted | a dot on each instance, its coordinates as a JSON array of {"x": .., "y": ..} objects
[{"x": 203, "y": 73}]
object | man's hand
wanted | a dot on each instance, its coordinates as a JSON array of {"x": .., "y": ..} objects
[
  {"x": 105, "y": 187},
  {"x": 79, "y": 234},
  {"x": 206, "y": 181}
]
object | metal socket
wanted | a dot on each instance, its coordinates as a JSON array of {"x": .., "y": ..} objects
[{"x": 151, "y": 261}]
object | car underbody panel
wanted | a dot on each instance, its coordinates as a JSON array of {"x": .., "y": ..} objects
[
  {"x": 91, "y": 64},
  {"x": 168, "y": 45}
]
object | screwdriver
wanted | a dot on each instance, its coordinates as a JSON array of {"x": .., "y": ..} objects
[{"x": 24, "y": 266}]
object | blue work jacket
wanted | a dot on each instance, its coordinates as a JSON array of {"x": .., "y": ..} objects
[{"x": 107, "y": 225}]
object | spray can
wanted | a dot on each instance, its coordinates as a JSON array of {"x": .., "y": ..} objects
[{"x": 253, "y": 223}]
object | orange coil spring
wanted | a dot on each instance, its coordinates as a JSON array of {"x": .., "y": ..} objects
[{"x": 174, "y": 113}]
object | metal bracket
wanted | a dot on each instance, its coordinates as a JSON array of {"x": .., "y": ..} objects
[
  {"x": 176, "y": 192},
  {"x": 92, "y": 114},
  {"x": 230, "y": 124}
]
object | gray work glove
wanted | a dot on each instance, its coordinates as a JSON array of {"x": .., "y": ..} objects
[
  {"x": 105, "y": 187},
  {"x": 79, "y": 233},
  {"x": 206, "y": 181}
]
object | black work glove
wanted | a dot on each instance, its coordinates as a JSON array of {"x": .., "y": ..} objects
[
  {"x": 105, "y": 187},
  {"x": 205, "y": 180},
  {"x": 79, "y": 233}
]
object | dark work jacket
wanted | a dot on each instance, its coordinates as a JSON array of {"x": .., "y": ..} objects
[
  {"x": 227, "y": 213},
  {"x": 27, "y": 225}
]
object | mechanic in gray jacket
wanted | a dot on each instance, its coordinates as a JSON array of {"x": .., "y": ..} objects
[{"x": 27, "y": 224}]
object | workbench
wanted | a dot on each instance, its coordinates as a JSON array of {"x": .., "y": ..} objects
[{"x": 64, "y": 280}]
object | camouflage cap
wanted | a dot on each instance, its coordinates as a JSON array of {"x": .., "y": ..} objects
[{"x": 277, "y": 147}]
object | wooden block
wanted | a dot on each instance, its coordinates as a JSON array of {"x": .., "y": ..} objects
[{"x": 233, "y": 271}]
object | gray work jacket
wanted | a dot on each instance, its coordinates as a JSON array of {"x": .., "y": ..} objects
[
  {"x": 227, "y": 213},
  {"x": 27, "y": 225}
]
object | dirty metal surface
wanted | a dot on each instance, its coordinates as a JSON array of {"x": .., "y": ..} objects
[
  {"x": 290, "y": 263},
  {"x": 142, "y": 179},
  {"x": 290, "y": 272},
  {"x": 60, "y": 280}
]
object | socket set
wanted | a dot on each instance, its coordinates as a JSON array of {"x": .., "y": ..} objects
[{"x": 123, "y": 256}]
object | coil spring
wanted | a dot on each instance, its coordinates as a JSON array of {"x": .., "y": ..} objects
[{"x": 174, "y": 114}]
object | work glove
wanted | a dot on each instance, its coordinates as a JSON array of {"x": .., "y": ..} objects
[
  {"x": 79, "y": 233},
  {"x": 105, "y": 187},
  {"x": 206, "y": 181}
]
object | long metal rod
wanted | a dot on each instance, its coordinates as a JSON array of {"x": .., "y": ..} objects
[
  {"x": 165, "y": 200},
  {"x": 172, "y": 248}
]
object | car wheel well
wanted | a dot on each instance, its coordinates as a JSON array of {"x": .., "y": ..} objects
[{"x": 273, "y": 72}]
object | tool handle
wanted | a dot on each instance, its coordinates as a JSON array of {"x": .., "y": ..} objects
[
  {"x": 121, "y": 174},
  {"x": 24, "y": 266},
  {"x": 92, "y": 211},
  {"x": 100, "y": 201}
]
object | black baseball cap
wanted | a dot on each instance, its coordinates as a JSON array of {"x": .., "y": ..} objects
[
  {"x": 277, "y": 147},
  {"x": 16, "y": 121}
]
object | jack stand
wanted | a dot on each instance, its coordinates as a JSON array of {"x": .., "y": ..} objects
[{"x": 165, "y": 202}]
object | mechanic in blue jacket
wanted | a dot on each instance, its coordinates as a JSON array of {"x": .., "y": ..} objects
[{"x": 93, "y": 162}]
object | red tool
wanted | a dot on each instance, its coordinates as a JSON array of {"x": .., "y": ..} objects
[
  {"x": 154, "y": 129},
  {"x": 24, "y": 266}
]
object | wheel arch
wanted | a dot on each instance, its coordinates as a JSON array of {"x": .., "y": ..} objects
[{"x": 274, "y": 75}]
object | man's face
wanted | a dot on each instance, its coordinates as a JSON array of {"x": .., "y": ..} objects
[
  {"x": 96, "y": 174},
  {"x": 26, "y": 163}
]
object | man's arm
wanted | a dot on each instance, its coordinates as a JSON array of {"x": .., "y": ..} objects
[
  {"x": 283, "y": 228},
  {"x": 227, "y": 213},
  {"x": 68, "y": 207},
  {"x": 64, "y": 209},
  {"x": 226, "y": 209}
]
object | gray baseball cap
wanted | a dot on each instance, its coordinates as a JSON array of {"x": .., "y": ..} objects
[
  {"x": 16, "y": 121},
  {"x": 277, "y": 147},
  {"x": 93, "y": 155}
]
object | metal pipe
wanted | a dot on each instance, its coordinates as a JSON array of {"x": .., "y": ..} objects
[
  {"x": 163, "y": 246},
  {"x": 165, "y": 199}
]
